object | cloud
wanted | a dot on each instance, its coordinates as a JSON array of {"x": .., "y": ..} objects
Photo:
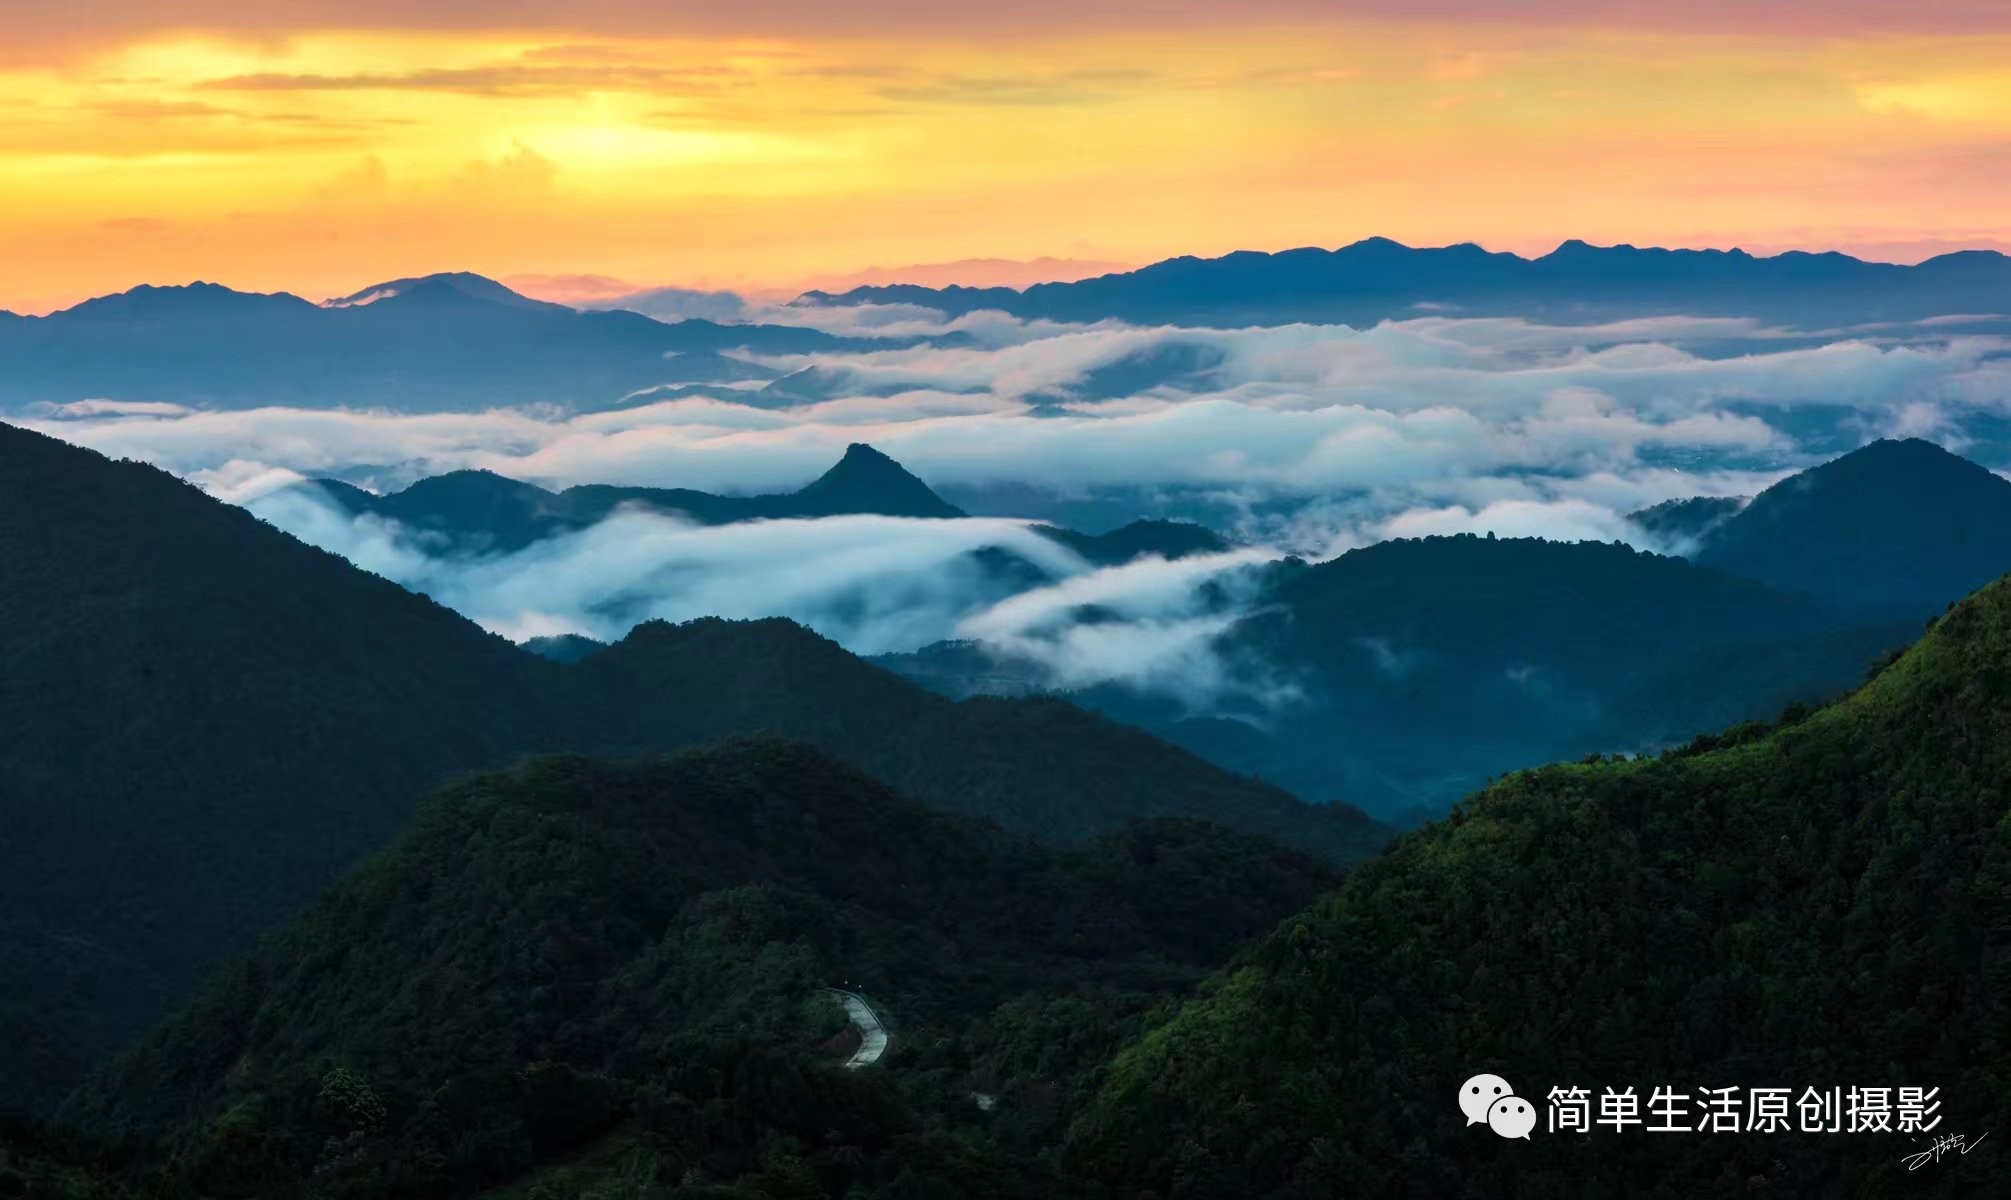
[
  {"x": 677, "y": 304},
  {"x": 1306, "y": 435},
  {"x": 504, "y": 79},
  {"x": 1152, "y": 625},
  {"x": 1062, "y": 88},
  {"x": 1312, "y": 439},
  {"x": 874, "y": 584},
  {"x": 1556, "y": 520},
  {"x": 28, "y": 25}
]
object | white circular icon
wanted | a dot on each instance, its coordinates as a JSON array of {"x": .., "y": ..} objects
[
  {"x": 1512, "y": 1117},
  {"x": 1476, "y": 1095}
]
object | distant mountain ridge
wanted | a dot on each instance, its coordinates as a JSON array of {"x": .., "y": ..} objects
[
  {"x": 448, "y": 341},
  {"x": 1379, "y": 279}
]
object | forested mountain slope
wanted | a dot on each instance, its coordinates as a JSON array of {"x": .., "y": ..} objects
[
  {"x": 572, "y": 950},
  {"x": 1822, "y": 904},
  {"x": 204, "y": 722}
]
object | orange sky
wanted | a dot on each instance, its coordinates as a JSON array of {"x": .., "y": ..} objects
[{"x": 317, "y": 147}]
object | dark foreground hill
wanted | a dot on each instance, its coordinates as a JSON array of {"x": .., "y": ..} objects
[
  {"x": 573, "y": 953},
  {"x": 204, "y": 722},
  {"x": 1825, "y": 904}
]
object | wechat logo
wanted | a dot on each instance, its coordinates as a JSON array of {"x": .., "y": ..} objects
[{"x": 1490, "y": 1099}]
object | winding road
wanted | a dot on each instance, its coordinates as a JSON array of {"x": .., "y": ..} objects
[{"x": 872, "y": 1034}]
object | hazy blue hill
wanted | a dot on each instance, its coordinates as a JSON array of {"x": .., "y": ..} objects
[
  {"x": 462, "y": 282},
  {"x": 203, "y": 722},
  {"x": 470, "y": 509},
  {"x": 195, "y": 301},
  {"x": 572, "y": 949},
  {"x": 1403, "y": 675},
  {"x": 1035, "y": 765},
  {"x": 1501, "y": 600},
  {"x": 1683, "y": 525},
  {"x": 443, "y": 342},
  {"x": 1902, "y": 525},
  {"x": 1430, "y": 665},
  {"x": 1186, "y": 365},
  {"x": 480, "y": 510},
  {"x": 563, "y": 648},
  {"x": 1378, "y": 279},
  {"x": 1822, "y": 904},
  {"x": 1166, "y": 539}
]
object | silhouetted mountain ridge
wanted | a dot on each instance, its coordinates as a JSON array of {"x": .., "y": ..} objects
[
  {"x": 452, "y": 341},
  {"x": 481, "y": 510},
  {"x": 1378, "y": 279}
]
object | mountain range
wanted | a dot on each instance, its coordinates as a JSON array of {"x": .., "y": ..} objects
[
  {"x": 474, "y": 511},
  {"x": 440, "y": 342},
  {"x": 1786, "y": 599},
  {"x": 557, "y": 947},
  {"x": 1379, "y": 280},
  {"x": 1404, "y": 675},
  {"x": 573, "y": 978},
  {"x": 456, "y": 340},
  {"x": 1816, "y": 905},
  {"x": 481, "y": 511},
  {"x": 204, "y": 722}
]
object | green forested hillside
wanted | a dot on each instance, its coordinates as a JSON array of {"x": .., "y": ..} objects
[
  {"x": 204, "y": 722},
  {"x": 571, "y": 952},
  {"x": 1822, "y": 904}
]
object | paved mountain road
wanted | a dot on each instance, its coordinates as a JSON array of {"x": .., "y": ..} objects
[{"x": 872, "y": 1033}]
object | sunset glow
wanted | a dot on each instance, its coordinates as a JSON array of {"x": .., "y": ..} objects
[{"x": 303, "y": 155}]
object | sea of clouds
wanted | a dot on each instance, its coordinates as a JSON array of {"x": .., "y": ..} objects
[{"x": 1306, "y": 439}]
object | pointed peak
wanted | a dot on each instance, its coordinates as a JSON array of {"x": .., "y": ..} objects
[
  {"x": 860, "y": 452},
  {"x": 867, "y": 481}
]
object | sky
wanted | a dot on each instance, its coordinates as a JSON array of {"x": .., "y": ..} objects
[{"x": 318, "y": 146}]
